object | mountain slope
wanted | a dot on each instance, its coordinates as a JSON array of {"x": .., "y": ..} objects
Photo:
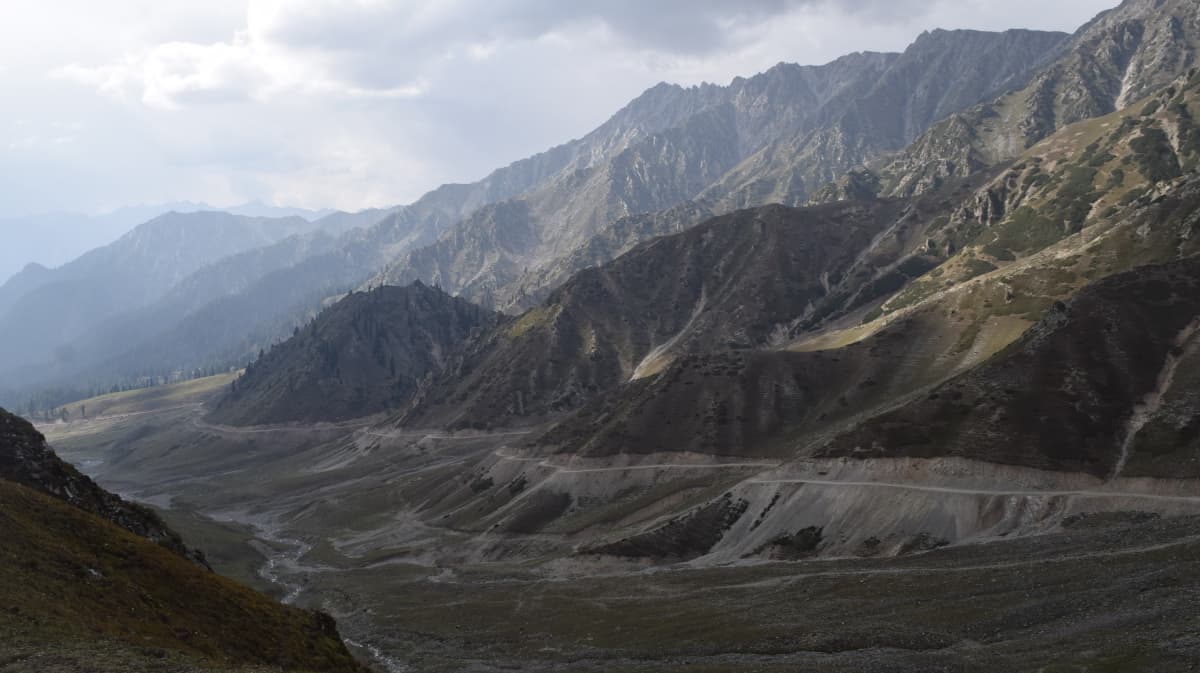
[
  {"x": 25, "y": 459},
  {"x": 1097, "y": 199},
  {"x": 1119, "y": 57},
  {"x": 54, "y": 239},
  {"x": 741, "y": 280},
  {"x": 74, "y": 583},
  {"x": 665, "y": 148},
  {"x": 365, "y": 354},
  {"x": 232, "y": 275},
  {"x": 942, "y": 73},
  {"x": 1072, "y": 393},
  {"x": 81, "y": 569},
  {"x": 498, "y": 257},
  {"x": 233, "y": 327}
]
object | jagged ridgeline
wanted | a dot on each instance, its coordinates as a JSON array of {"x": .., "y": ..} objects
[
  {"x": 1120, "y": 57},
  {"x": 91, "y": 582},
  {"x": 951, "y": 276},
  {"x": 743, "y": 280},
  {"x": 954, "y": 104},
  {"x": 1099, "y": 198},
  {"x": 772, "y": 138}
]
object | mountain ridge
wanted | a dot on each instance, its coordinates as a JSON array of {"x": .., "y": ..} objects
[
  {"x": 366, "y": 354},
  {"x": 688, "y": 161}
]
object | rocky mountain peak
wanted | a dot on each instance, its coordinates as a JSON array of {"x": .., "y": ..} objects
[{"x": 367, "y": 353}]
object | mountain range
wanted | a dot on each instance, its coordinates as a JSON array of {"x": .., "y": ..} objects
[
  {"x": 712, "y": 149},
  {"x": 53, "y": 239},
  {"x": 669, "y": 147},
  {"x": 782, "y": 331},
  {"x": 896, "y": 324}
]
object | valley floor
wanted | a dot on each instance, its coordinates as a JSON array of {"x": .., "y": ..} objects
[{"x": 363, "y": 522}]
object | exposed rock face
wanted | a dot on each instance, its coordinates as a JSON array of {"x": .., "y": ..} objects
[
  {"x": 943, "y": 72},
  {"x": 25, "y": 459},
  {"x": 760, "y": 278},
  {"x": 1120, "y": 57},
  {"x": 231, "y": 327},
  {"x": 774, "y": 137},
  {"x": 534, "y": 285},
  {"x": 1063, "y": 194},
  {"x": 738, "y": 281}
]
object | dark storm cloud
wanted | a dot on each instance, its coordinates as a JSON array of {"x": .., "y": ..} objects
[{"x": 677, "y": 26}]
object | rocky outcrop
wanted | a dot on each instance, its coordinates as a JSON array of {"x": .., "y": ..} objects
[
  {"x": 1120, "y": 57},
  {"x": 770, "y": 138},
  {"x": 942, "y": 73},
  {"x": 26, "y": 459}
]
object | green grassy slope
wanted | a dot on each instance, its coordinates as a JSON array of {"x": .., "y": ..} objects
[{"x": 68, "y": 578}]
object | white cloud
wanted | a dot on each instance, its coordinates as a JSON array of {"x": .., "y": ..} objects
[
  {"x": 391, "y": 48},
  {"x": 351, "y": 103},
  {"x": 172, "y": 75}
]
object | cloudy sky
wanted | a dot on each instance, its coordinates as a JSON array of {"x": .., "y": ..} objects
[{"x": 356, "y": 103}]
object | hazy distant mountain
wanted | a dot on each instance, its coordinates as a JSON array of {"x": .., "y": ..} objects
[
  {"x": 235, "y": 326},
  {"x": 667, "y": 161},
  {"x": 665, "y": 148},
  {"x": 53, "y": 239},
  {"x": 764, "y": 278},
  {"x": 260, "y": 209},
  {"x": 237, "y": 274},
  {"x": 129, "y": 273}
]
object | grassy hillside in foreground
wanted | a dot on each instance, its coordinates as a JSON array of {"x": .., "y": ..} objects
[{"x": 69, "y": 579}]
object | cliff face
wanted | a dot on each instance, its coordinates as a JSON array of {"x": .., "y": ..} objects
[
  {"x": 942, "y": 73},
  {"x": 1115, "y": 60},
  {"x": 775, "y": 137}
]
